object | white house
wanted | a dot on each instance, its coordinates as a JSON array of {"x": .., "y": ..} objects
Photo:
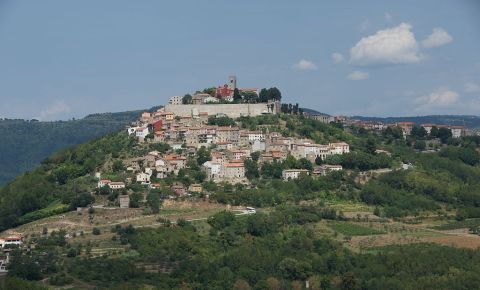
[
  {"x": 175, "y": 100},
  {"x": 12, "y": 240},
  {"x": 212, "y": 169},
  {"x": 141, "y": 132},
  {"x": 288, "y": 174},
  {"x": 143, "y": 177},
  {"x": 255, "y": 135},
  {"x": 339, "y": 148}
]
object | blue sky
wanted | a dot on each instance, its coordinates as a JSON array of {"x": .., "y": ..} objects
[{"x": 63, "y": 59}]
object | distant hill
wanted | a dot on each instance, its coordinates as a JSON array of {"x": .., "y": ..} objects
[
  {"x": 27, "y": 142},
  {"x": 472, "y": 122}
]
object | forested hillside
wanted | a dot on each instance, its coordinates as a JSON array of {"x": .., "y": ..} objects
[
  {"x": 289, "y": 239},
  {"x": 26, "y": 142}
]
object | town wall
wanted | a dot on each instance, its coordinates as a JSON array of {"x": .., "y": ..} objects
[{"x": 231, "y": 110}]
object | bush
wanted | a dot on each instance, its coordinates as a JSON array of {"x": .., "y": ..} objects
[{"x": 96, "y": 231}]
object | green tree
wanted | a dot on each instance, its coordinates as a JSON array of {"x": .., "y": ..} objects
[
  {"x": 118, "y": 166},
  {"x": 203, "y": 155},
  {"x": 251, "y": 169},
  {"x": 420, "y": 145},
  {"x": 444, "y": 134},
  {"x": 154, "y": 202},
  {"x": 370, "y": 146},
  {"x": 187, "y": 99},
  {"x": 237, "y": 98},
  {"x": 135, "y": 199}
]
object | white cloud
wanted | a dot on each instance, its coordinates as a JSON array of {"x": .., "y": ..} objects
[
  {"x": 396, "y": 45},
  {"x": 58, "y": 107},
  {"x": 337, "y": 57},
  {"x": 472, "y": 88},
  {"x": 440, "y": 98},
  {"x": 439, "y": 37},
  {"x": 388, "y": 17},
  {"x": 358, "y": 75},
  {"x": 305, "y": 65}
]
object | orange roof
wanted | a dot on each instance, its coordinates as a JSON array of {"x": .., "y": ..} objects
[
  {"x": 234, "y": 164},
  {"x": 174, "y": 157}
]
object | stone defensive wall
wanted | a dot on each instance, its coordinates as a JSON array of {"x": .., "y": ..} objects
[{"x": 231, "y": 110}]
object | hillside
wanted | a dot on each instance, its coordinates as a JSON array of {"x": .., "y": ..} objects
[
  {"x": 391, "y": 204},
  {"x": 27, "y": 142},
  {"x": 472, "y": 122}
]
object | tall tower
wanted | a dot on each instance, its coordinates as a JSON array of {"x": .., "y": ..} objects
[{"x": 232, "y": 82}]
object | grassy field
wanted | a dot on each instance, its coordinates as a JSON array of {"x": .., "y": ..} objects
[{"x": 350, "y": 229}]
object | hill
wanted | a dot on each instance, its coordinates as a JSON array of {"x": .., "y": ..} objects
[
  {"x": 472, "y": 122},
  {"x": 341, "y": 230},
  {"x": 27, "y": 142}
]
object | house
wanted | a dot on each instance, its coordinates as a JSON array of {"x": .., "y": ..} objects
[
  {"x": 324, "y": 169},
  {"x": 258, "y": 145},
  {"x": 289, "y": 174},
  {"x": 212, "y": 169},
  {"x": 339, "y": 148},
  {"x": 229, "y": 134},
  {"x": 124, "y": 201},
  {"x": 12, "y": 240},
  {"x": 255, "y": 136},
  {"x": 178, "y": 188},
  {"x": 141, "y": 132},
  {"x": 116, "y": 185},
  {"x": 406, "y": 127},
  {"x": 175, "y": 100},
  {"x": 323, "y": 118},
  {"x": 237, "y": 155},
  {"x": 233, "y": 170},
  {"x": 145, "y": 116},
  {"x": 155, "y": 126},
  {"x": 199, "y": 99},
  {"x": 103, "y": 182},
  {"x": 143, "y": 177},
  {"x": 457, "y": 131},
  {"x": 195, "y": 188}
]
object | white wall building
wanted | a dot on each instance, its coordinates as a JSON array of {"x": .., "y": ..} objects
[
  {"x": 175, "y": 100},
  {"x": 288, "y": 174},
  {"x": 12, "y": 240}
]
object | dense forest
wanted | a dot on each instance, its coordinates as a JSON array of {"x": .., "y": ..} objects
[{"x": 27, "y": 142}]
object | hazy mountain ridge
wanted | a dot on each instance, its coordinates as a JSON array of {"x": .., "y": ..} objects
[{"x": 27, "y": 142}]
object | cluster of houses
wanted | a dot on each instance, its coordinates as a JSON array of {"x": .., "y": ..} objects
[
  {"x": 457, "y": 131},
  {"x": 229, "y": 146}
]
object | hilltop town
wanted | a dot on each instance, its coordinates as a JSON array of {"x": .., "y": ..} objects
[
  {"x": 211, "y": 127},
  {"x": 227, "y": 156}
]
